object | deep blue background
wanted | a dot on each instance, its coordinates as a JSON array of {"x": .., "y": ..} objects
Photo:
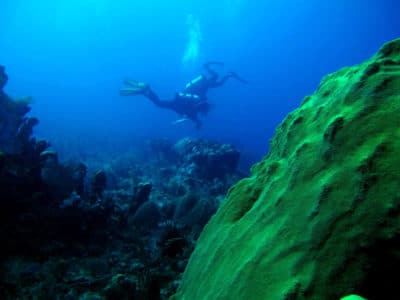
[{"x": 72, "y": 57}]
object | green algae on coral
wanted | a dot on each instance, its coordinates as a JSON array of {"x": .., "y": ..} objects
[
  {"x": 319, "y": 216},
  {"x": 352, "y": 297}
]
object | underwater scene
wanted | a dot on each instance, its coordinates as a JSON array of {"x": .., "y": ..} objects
[{"x": 192, "y": 150}]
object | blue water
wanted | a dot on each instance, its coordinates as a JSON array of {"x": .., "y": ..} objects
[{"x": 72, "y": 57}]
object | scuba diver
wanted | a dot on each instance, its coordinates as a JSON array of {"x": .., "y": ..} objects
[{"x": 189, "y": 103}]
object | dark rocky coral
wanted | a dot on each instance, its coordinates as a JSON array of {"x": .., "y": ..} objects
[
  {"x": 98, "y": 184},
  {"x": 3, "y": 78},
  {"x": 141, "y": 194},
  {"x": 39, "y": 194},
  {"x": 102, "y": 238},
  {"x": 205, "y": 159}
]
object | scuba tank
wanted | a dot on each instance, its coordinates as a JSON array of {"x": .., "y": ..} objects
[{"x": 195, "y": 84}]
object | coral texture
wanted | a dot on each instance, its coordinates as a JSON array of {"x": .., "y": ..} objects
[{"x": 319, "y": 217}]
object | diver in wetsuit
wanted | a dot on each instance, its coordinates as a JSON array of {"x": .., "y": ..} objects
[{"x": 189, "y": 103}]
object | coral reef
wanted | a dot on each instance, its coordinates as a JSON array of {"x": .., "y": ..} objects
[
  {"x": 319, "y": 217},
  {"x": 125, "y": 232},
  {"x": 206, "y": 160}
]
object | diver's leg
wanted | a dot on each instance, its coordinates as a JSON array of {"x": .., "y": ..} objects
[
  {"x": 153, "y": 97},
  {"x": 197, "y": 122},
  {"x": 195, "y": 119}
]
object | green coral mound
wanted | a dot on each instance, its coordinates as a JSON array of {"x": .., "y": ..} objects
[{"x": 319, "y": 216}]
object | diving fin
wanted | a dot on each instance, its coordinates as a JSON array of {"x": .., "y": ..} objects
[
  {"x": 131, "y": 91},
  {"x": 135, "y": 83},
  {"x": 135, "y": 88}
]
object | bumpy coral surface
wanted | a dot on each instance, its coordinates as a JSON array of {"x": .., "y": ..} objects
[{"x": 319, "y": 216}]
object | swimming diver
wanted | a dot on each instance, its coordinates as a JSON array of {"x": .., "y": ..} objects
[{"x": 189, "y": 103}]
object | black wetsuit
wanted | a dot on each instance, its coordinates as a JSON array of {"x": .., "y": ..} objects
[
  {"x": 193, "y": 99},
  {"x": 187, "y": 105}
]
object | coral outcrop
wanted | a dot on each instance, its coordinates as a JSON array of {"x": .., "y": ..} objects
[
  {"x": 126, "y": 232},
  {"x": 205, "y": 159},
  {"x": 319, "y": 217},
  {"x": 3, "y": 78},
  {"x": 15, "y": 127}
]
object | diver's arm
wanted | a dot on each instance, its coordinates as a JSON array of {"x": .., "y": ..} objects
[
  {"x": 220, "y": 82},
  {"x": 237, "y": 77},
  {"x": 226, "y": 77},
  {"x": 214, "y": 75}
]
